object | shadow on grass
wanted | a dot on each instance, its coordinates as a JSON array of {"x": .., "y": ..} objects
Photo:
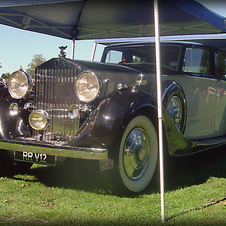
[
  {"x": 179, "y": 172},
  {"x": 195, "y": 169},
  {"x": 73, "y": 174}
]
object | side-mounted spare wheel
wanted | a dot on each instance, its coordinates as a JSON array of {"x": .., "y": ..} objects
[
  {"x": 137, "y": 157},
  {"x": 175, "y": 104},
  {"x": 8, "y": 167}
]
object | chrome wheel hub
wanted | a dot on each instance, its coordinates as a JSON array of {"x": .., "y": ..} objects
[
  {"x": 135, "y": 153},
  {"x": 174, "y": 109}
]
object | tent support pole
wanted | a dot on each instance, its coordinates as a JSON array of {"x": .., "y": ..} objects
[
  {"x": 94, "y": 51},
  {"x": 73, "y": 49},
  {"x": 159, "y": 103}
]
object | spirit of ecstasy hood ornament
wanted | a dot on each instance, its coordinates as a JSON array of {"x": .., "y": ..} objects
[{"x": 62, "y": 52}]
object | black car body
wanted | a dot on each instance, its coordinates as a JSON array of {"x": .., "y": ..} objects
[{"x": 107, "y": 110}]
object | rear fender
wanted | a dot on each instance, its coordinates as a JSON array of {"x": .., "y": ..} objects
[{"x": 177, "y": 144}]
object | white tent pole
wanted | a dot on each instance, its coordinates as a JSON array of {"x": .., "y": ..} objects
[
  {"x": 73, "y": 49},
  {"x": 94, "y": 51},
  {"x": 159, "y": 103}
]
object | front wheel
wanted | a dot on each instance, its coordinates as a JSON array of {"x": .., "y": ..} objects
[
  {"x": 137, "y": 157},
  {"x": 138, "y": 154}
]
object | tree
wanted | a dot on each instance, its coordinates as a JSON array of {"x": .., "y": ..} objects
[
  {"x": 36, "y": 61},
  {"x": 4, "y": 77}
]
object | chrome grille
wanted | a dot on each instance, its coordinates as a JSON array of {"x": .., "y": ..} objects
[{"x": 55, "y": 94}]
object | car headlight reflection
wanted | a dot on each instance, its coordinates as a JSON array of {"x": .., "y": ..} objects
[
  {"x": 19, "y": 84},
  {"x": 87, "y": 86}
]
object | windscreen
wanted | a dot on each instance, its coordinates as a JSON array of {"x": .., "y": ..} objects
[{"x": 142, "y": 54}]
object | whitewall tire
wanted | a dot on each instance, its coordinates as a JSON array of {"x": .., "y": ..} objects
[{"x": 138, "y": 154}]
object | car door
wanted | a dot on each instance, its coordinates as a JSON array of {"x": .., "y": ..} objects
[
  {"x": 201, "y": 92},
  {"x": 220, "y": 123}
]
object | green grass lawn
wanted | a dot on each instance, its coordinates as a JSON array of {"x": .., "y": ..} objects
[{"x": 195, "y": 194}]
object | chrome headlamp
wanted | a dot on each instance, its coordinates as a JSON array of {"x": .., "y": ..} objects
[
  {"x": 39, "y": 120},
  {"x": 87, "y": 86},
  {"x": 19, "y": 84}
]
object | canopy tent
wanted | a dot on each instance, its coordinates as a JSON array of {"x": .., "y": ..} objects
[{"x": 92, "y": 19}]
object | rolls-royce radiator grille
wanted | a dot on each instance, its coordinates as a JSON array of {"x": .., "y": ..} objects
[{"x": 55, "y": 94}]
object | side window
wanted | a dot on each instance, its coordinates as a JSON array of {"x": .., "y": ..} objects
[
  {"x": 113, "y": 57},
  {"x": 221, "y": 67},
  {"x": 197, "y": 61}
]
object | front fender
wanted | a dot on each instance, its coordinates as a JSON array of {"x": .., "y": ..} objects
[
  {"x": 13, "y": 125},
  {"x": 105, "y": 126},
  {"x": 6, "y": 125}
]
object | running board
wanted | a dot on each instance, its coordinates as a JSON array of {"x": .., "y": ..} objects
[{"x": 210, "y": 142}]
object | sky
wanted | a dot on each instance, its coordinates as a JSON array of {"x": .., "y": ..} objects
[{"x": 17, "y": 47}]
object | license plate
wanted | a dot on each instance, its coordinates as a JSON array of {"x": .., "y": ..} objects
[{"x": 35, "y": 157}]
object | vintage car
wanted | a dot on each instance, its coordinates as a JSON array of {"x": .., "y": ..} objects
[{"x": 107, "y": 110}]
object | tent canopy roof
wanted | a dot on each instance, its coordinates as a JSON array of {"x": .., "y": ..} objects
[{"x": 92, "y": 19}]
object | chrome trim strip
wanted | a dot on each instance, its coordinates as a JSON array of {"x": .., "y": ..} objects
[
  {"x": 62, "y": 151},
  {"x": 211, "y": 141}
]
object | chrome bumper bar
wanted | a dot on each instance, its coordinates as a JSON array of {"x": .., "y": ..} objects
[{"x": 62, "y": 151}]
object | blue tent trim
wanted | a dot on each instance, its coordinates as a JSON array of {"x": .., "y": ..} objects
[
  {"x": 201, "y": 12},
  {"x": 11, "y": 3}
]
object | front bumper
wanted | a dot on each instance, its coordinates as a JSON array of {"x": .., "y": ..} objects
[{"x": 61, "y": 151}]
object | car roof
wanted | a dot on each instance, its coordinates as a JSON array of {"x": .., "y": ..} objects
[
  {"x": 151, "y": 42},
  {"x": 217, "y": 41}
]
